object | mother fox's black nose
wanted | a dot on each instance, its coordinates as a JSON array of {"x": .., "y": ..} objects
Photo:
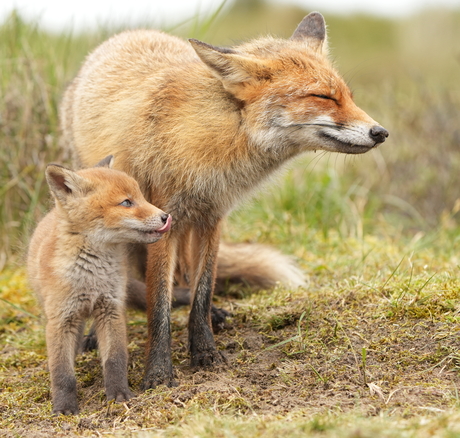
[
  {"x": 164, "y": 217},
  {"x": 378, "y": 134}
]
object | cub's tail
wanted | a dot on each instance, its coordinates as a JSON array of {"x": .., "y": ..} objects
[{"x": 257, "y": 266}]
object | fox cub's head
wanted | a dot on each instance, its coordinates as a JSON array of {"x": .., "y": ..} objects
[
  {"x": 291, "y": 95},
  {"x": 105, "y": 204}
]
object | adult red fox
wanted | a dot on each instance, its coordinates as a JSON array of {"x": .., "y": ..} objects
[
  {"x": 77, "y": 264},
  {"x": 200, "y": 128}
]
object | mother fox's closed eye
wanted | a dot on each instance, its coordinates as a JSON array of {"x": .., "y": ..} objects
[{"x": 323, "y": 96}]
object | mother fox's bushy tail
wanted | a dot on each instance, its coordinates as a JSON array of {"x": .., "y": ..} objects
[{"x": 257, "y": 266}]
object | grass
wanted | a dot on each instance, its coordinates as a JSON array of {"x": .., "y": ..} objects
[
  {"x": 415, "y": 99},
  {"x": 370, "y": 348},
  {"x": 34, "y": 69}
]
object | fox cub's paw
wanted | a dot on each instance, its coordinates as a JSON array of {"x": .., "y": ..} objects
[
  {"x": 66, "y": 408},
  {"x": 119, "y": 394}
]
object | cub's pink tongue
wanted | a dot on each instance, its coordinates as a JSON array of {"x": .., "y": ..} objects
[{"x": 166, "y": 226}]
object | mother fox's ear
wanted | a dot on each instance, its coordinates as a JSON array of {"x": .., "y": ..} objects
[
  {"x": 312, "y": 30},
  {"x": 65, "y": 183},
  {"x": 231, "y": 67}
]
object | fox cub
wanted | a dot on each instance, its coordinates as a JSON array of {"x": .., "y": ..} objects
[{"x": 77, "y": 264}]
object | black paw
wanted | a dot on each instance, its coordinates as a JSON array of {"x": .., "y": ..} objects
[
  {"x": 208, "y": 358},
  {"x": 156, "y": 378},
  {"x": 89, "y": 342},
  {"x": 218, "y": 317}
]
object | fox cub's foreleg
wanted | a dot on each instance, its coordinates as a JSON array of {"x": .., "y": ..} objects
[
  {"x": 110, "y": 325},
  {"x": 62, "y": 340}
]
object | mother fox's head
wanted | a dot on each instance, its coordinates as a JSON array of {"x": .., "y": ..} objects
[{"x": 290, "y": 93}]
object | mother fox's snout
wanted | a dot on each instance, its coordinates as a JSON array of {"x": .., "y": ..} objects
[{"x": 378, "y": 134}]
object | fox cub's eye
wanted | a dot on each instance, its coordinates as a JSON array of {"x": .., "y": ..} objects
[{"x": 126, "y": 203}]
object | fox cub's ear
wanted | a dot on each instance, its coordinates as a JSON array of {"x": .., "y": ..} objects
[
  {"x": 106, "y": 162},
  {"x": 312, "y": 30},
  {"x": 231, "y": 67},
  {"x": 65, "y": 183}
]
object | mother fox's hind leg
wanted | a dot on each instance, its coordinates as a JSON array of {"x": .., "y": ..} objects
[{"x": 205, "y": 242}]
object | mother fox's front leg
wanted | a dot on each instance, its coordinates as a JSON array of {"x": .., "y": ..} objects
[
  {"x": 161, "y": 262},
  {"x": 205, "y": 245}
]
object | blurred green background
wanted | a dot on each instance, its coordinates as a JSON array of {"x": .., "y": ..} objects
[{"x": 404, "y": 72}]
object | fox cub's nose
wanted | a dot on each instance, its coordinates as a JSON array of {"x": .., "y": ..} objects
[
  {"x": 164, "y": 217},
  {"x": 378, "y": 134}
]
